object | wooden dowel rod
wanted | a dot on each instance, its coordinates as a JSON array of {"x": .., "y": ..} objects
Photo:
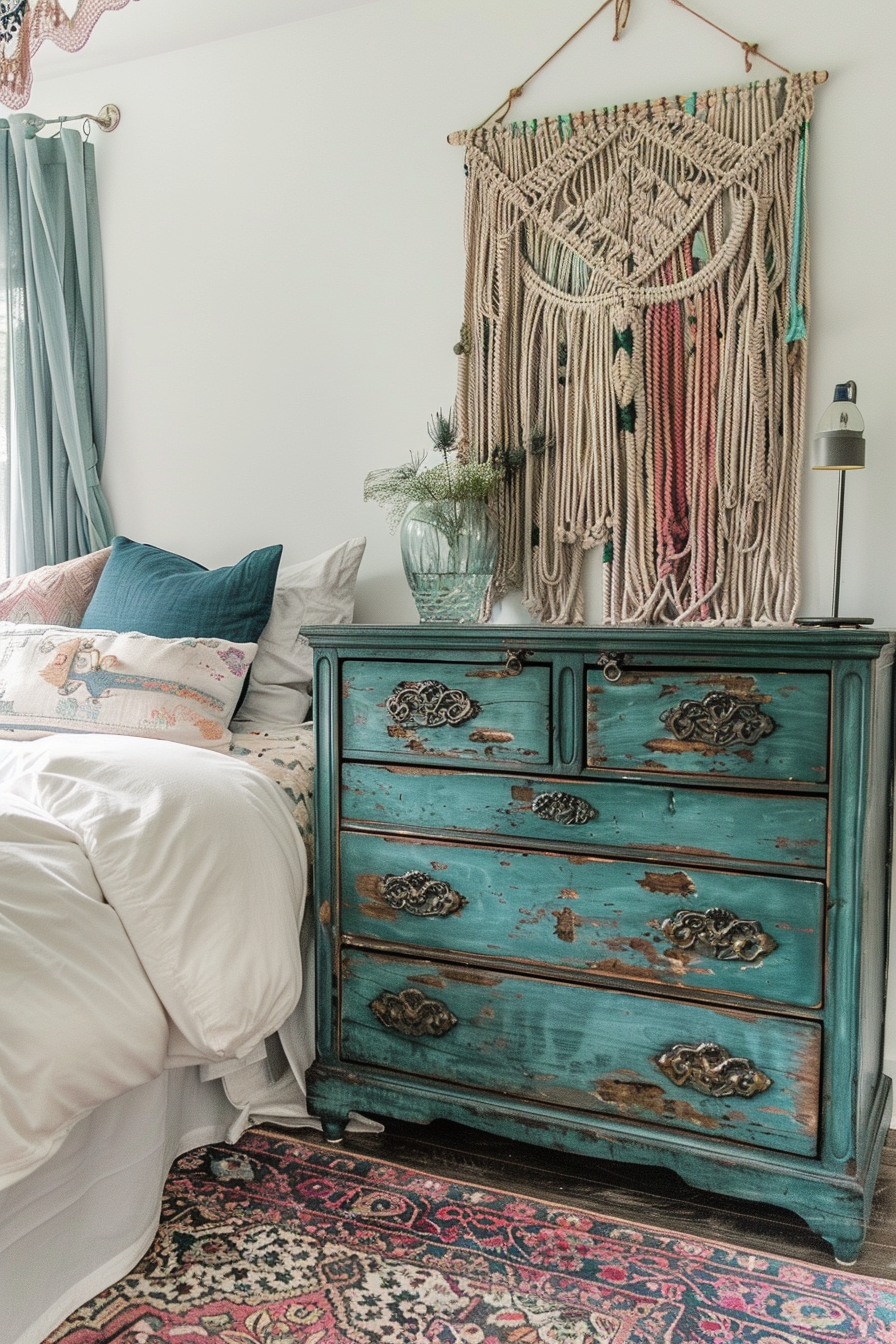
[{"x": 460, "y": 137}]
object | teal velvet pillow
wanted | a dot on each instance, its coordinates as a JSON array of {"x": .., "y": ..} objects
[{"x": 158, "y": 593}]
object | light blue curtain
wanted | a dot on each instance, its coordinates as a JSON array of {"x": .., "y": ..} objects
[{"x": 51, "y": 275}]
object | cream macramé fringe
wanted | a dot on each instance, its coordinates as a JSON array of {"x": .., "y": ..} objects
[{"x": 634, "y": 319}]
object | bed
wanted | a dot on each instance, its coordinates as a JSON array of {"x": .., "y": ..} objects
[
  {"x": 85, "y": 1204},
  {"x": 155, "y": 964}
]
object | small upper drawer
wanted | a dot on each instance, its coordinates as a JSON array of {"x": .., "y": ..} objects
[
  {"x": 763, "y": 725},
  {"x": 452, "y": 711}
]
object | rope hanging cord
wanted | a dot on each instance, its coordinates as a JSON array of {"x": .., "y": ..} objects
[
  {"x": 750, "y": 49},
  {"x": 622, "y": 12},
  {"x": 623, "y": 8}
]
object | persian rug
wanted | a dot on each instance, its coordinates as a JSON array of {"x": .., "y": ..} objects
[{"x": 275, "y": 1241}]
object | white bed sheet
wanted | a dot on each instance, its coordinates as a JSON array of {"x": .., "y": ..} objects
[
  {"x": 139, "y": 880},
  {"x": 84, "y": 1217}
]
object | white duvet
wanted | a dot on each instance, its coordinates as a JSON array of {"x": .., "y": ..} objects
[{"x": 150, "y": 902}]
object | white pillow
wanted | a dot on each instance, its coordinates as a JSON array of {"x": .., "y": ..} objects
[
  {"x": 316, "y": 592},
  {"x": 54, "y": 680}
]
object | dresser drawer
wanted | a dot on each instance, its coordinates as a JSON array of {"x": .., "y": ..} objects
[
  {"x": 725, "y": 932},
  {"x": 456, "y": 711},
  {"x": 764, "y": 725},
  {"x": 652, "y": 821},
  {"x": 595, "y": 1050}
]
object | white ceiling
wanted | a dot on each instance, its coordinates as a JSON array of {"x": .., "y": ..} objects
[{"x": 147, "y": 27}]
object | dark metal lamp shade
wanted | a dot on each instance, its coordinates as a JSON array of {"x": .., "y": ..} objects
[{"x": 840, "y": 450}]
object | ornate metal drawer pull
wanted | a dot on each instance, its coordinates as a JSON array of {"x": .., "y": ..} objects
[
  {"x": 720, "y": 720},
  {"x": 720, "y": 933},
  {"x": 709, "y": 1068},
  {"x": 430, "y": 704},
  {"x": 564, "y": 808},
  {"x": 418, "y": 894},
  {"x": 412, "y": 1013}
]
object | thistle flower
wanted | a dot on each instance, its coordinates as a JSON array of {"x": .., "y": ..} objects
[{"x": 442, "y": 430}]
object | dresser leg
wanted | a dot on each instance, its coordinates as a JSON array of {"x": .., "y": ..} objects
[
  {"x": 334, "y": 1129},
  {"x": 846, "y": 1252},
  {"x": 844, "y": 1235},
  {"x": 846, "y": 1244}
]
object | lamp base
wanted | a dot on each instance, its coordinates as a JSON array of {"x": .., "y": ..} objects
[{"x": 835, "y": 621}]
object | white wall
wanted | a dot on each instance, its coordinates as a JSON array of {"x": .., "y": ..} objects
[{"x": 282, "y": 234}]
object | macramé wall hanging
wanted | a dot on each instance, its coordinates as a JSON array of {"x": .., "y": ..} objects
[{"x": 633, "y": 347}]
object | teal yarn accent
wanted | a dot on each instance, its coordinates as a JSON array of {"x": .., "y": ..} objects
[
  {"x": 699, "y": 249},
  {"x": 564, "y": 126},
  {"x": 796, "y": 329},
  {"x": 796, "y": 326},
  {"x": 623, "y": 340},
  {"x": 608, "y": 550},
  {"x": 690, "y": 105},
  {"x": 625, "y": 417}
]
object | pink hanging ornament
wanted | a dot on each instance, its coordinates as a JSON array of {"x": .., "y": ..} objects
[{"x": 25, "y": 24}]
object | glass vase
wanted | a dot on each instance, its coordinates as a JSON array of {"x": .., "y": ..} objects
[{"x": 448, "y": 549}]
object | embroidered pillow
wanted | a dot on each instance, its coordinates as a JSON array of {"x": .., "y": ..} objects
[
  {"x": 316, "y": 592},
  {"x": 54, "y": 680},
  {"x": 54, "y": 594},
  {"x": 160, "y": 593}
]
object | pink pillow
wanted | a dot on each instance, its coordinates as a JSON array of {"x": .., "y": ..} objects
[{"x": 54, "y": 594}]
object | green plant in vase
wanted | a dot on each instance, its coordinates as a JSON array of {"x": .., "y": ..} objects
[{"x": 449, "y": 542}]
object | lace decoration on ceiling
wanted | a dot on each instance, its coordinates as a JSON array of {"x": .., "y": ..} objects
[{"x": 26, "y": 24}]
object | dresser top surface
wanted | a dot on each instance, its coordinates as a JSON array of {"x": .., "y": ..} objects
[{"x": 801, "y": 642}]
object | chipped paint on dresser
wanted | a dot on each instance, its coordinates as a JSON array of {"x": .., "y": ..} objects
[
  {"x": 630, "y": 904},
  {"x": 519, "y": 902},
  {"x": 762, "y": 726},
  {"x": 649, "y": 819},
  {"x": 505, "y": 719},
  {"x": 511, "y": 1034}
]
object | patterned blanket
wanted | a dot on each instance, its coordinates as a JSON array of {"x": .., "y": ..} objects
[{"x": 289, "y": 762}]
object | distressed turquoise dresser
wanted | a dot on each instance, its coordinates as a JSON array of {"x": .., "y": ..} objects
[{"x": 619, "y": 891}]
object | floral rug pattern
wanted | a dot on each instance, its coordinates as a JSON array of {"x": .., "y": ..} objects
[{"x": 275, "y": 1241}]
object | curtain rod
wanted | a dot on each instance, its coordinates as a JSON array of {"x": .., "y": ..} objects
[{"x": 108, "y": 118}]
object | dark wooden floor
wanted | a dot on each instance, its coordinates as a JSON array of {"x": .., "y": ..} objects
[{"x": 648, "y": 1195}]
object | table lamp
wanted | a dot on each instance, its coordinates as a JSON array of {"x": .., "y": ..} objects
[{"x": 839, "y": 445}]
